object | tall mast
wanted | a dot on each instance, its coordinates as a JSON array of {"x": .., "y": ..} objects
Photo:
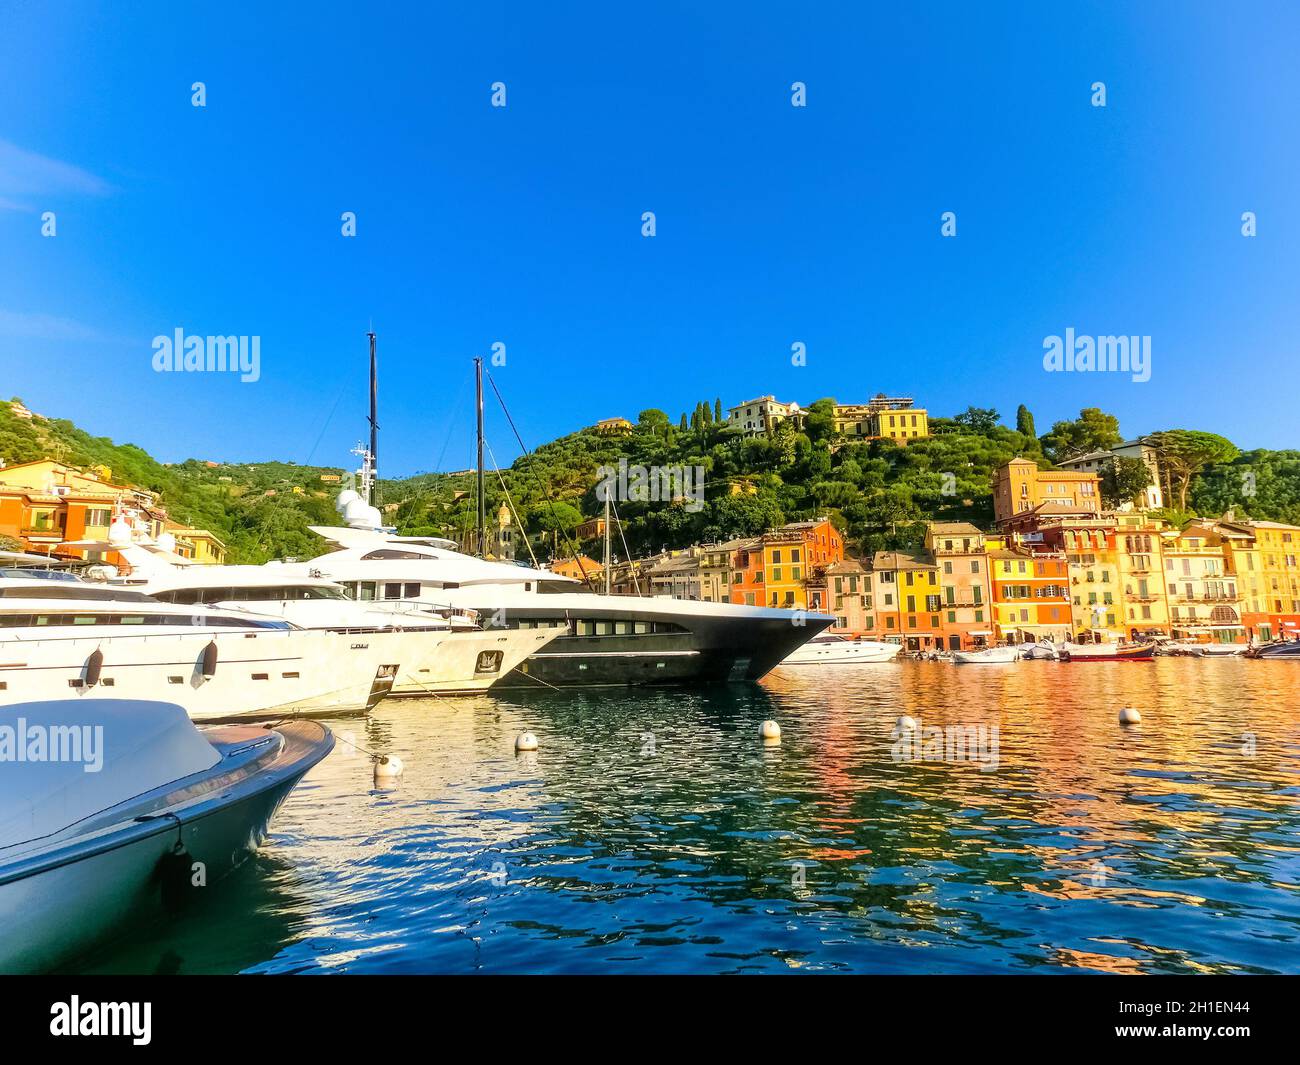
[
  {"x": 482, "y": 503},
  {"x": 607, "y": 578},
  {"x": 374, "y": 420}
]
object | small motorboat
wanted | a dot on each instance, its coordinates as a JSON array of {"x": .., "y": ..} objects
[
  {"x": 828, "y": 648},
  {"x": 1276, "y": 649},
  {"x": 1220, "y": 650},
  {"x": 988, "y": 656},
  {"x": 1042, "y": 650},
  {"x": 112, "y": 811},
  {"x": 1108, "y": 652}
]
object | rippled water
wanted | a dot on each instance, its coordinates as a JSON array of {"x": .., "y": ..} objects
[{"x": 655, "y": 832}]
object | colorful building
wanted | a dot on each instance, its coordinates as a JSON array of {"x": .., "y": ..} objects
[
  {"x": 846, "y": 593},
  {"x": 908, "y": 600},
  {"x": 48, "y": 506},
  {"x": 1204, "y": 601},
  {"x": 761, "y": 415},
  {"x": 1144, "y": 604},
  {"x": 1031, "y": 594},
  {"x": 1021, "y": 490},
  {"x": 882, "y": 418},
  {"x": 1276, "y": 610},
  {"x": 958, "y": 549}
]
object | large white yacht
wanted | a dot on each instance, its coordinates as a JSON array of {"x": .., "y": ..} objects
[
  {"x": 607, "y": 639},
  {"x": 63, "y": 638},
  {"x": 437, "y": 652}
]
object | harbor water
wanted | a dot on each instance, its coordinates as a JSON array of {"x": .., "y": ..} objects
[{"x": 654, "y": 831}]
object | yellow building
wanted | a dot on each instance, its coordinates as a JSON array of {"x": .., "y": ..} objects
[
  {"x": 199, "y": 545},
  {"x": 1021, "y": 492},
  {"x": 884, "y": 417},
  {"x": 1205, "y": 602},
  {"x": 1275, "y": 610},
  {"x": 1144, "y": 603},
  {"x": 613, "y": 427}
]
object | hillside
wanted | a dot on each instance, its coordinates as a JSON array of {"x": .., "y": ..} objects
[
  {"x": 253, "y": 508},
  {"x": 878, "y": 492}
]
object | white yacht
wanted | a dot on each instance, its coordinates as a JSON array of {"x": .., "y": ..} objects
[
  {"x": 103, "y": 833},
  {"x": 63, "y": 638},
  {"x": 607, "y": 639},
  {"x": 829, "y": 648},
  {"x": 988, "y": 656},
  {"x": 437, "y": 652}
]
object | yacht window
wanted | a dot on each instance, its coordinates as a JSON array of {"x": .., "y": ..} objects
[
  {"x": 393, "y": 591},
  {"x": 641, "y": 627},
  {"x": 392, "y": 554},
  {"x": 623, "y": 628},
  {"x": 585, "y": 628},
  {"x": 412, "y": 590},
  {"x": 604, "y": 628},
  {"x": 366, "y": 591}
]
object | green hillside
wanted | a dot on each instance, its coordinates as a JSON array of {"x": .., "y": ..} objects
[
  {"x": 877, "y": 492},
  {"x": 253, "y": 508}
]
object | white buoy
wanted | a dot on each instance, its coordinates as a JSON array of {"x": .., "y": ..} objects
[
  {"x": 525, "y": 741},
  {"x": 769, "y": 730},
  {"x": 388, "y": 766},
  {"x": 1129, "y": 716},
  {"x": 907, "y": 724}
]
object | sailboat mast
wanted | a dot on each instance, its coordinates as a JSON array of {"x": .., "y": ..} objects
[
  {"x": 607, "y": 576},
  {"x": 482, "y": 503},
  {"x": 374, "y": 421}
]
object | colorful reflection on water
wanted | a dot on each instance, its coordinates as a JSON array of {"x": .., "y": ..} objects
[{"x": 655, "y": 832}]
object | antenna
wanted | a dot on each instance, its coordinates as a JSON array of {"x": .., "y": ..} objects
[
  {"x": 482, "y": 505},
  {"x": 374, "y": 422}
]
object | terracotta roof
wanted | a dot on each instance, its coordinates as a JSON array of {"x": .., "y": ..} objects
[{"x": 899, "y": 560}]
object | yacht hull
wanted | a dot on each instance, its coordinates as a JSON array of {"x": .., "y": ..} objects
[
  {"x": 467, "y": 662},
  {"x": 62, "y": 901},
  {"x": 681, "y": 646},
  {"x": 270, "y": 674}
]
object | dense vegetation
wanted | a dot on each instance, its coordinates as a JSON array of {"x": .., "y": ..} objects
[
  {"x": 878, "y": 492},
  {"x": 253, "y": 508}
]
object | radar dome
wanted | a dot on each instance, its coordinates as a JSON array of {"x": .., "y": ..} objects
[
  {"x": 345, "y": 497},
  {"x": 119, "y": 532}
]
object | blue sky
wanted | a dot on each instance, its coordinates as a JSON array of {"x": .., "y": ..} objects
[{"x": 522, "y": 225}]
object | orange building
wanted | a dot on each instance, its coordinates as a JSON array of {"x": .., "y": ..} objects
[
  {"x": 1031, "y": 594},
  {"x": 569, "y": 567},
  {"x": 746, "y": 585},
  {"x": 45, "y": 505},
  {"x": 1021, "y": 488},
  {"x": 775, "y": 568}
]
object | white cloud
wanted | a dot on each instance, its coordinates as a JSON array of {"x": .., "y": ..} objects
[
  {"x": 17, "y": 324},
  {"x": 24, "y": 174}
]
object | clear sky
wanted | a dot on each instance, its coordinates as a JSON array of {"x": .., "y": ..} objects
[{"x": 523, "y": 225}]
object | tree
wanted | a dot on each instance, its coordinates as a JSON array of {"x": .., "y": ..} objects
[
  {"x": 820, "y": 421},
  {"x": 652, "y": 419},
  {"x": 717, "y": 410},
  {"x": 1093, "y": 430},
  {"x": 681, "y": 427},
  {"x": 1024, "y": 421},
  {"x": 1183, "y": 453},
  {"x": 1123, "y": 480},
  {"x": 978, "y": 419}
]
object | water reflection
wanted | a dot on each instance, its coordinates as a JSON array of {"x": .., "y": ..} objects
[{"x": 653, "y": 831}]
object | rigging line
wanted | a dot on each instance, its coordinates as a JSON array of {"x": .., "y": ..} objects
[
  {"x": 311, "y": 454},
  {"x": 544, "y": 486},
  {"x": 511, "y": 504},
  {"x": 631, "y": 566},
  {"x": 454, "y": 421}
]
